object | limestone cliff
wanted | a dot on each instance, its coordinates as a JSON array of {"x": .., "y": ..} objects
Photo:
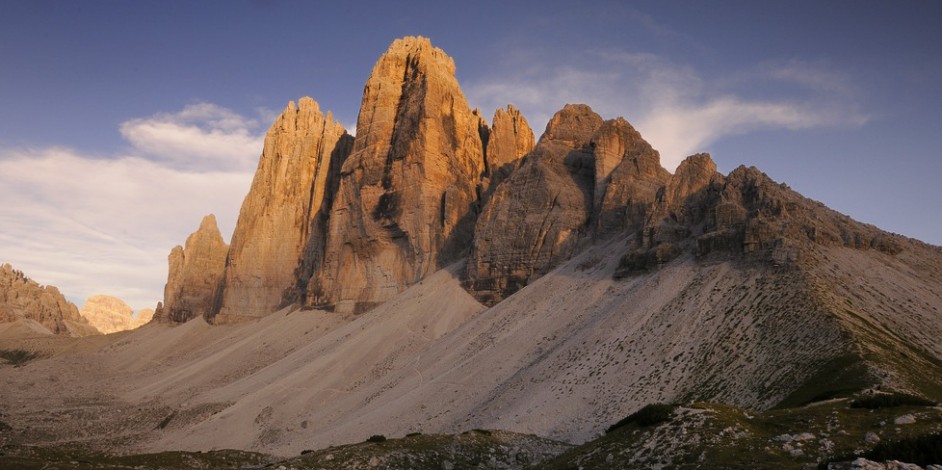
[
  {"x": 405, "y": 205},
  {"x": 628, "y": 178},
  {"x": 22, "y": 298},
  {"x": 285, "y": 210},
  {"x": 537, "y": 218},
  {"x": 509, "y": 139},
  {"x": 195, "y": 275}
]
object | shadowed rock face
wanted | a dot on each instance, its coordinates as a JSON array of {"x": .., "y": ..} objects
[
  {"x": 536, "y": 218},
  {"x": 24, "y": 299},
  {"x": 195, "y": 276},
  {"x": 281, "y": 226},
  {"x": 628, "y": 178},
  {"x": 406, "y": 202}
]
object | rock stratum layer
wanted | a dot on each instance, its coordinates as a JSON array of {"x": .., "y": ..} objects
[{"x": 22, "y": 299}]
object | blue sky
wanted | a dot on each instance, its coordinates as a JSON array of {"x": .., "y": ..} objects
[{"x": 122, "y": 123}]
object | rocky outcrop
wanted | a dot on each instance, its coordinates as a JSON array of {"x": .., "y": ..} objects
[
  {"x": 21, "y": 298},
  {"x": 509, "y": 139},
  {"x": 195, "y": 275},
  {"x": 538, "y": 217},
  {"x": 628, "y": 178},
  {"x": 282, "y": 223},
  {"x": 406, "y": 202},
  {"x": 110, "y": 314}
]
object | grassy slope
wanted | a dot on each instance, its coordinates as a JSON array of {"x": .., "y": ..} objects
[{"x": 718, "y": 436}]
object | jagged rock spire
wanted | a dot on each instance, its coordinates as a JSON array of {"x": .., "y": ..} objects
[
  {"x": 284, "y": 211},
  {"x": 407, "y": 196}
]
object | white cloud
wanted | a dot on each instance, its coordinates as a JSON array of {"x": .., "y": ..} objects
[
  {"x": 673, "y": 106},
  {"x": 93, "y": 225},
  {"x": 201, "y": 136}
]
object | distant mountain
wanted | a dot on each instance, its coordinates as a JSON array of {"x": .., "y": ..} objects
[
  {"x": 37, "y": 308},
  {"x": 110, "y": 314}
]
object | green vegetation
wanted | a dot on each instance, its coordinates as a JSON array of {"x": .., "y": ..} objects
[
  {"x": 920, "y": 450},
  {"x": 839, "y": 377},
  {"x": 376, "y": 438},
  {"x": 647, "y": 416},
  {"x": 473, "y": 449},
  {"x": 18, "y": 357},
  {"x": 890, "y": 400},
  {"x": 33, "y": 457},
  {"x": 719, "y": 436}
]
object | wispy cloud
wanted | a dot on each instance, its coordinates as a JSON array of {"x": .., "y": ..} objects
[
  {"x": 105, "y": 224},
  {"x": 678, "y": 110},
  {"x": 201, "y": 136}
]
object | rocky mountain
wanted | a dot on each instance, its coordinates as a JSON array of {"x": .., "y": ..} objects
[
  {"x": 194, "y": 282},
  {"x": 344, "y": 223},
  {"x": 508, "y": 142},
  {"x": 24, "y": 300},
  {"x": 283, "y": 221},
  {"x": 408, "y": 193},
  {"x": 110, "y": 314}
]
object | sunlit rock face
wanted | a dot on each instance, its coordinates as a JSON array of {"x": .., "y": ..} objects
[
  {"x": 195, "y": 275},
  {"x": 407, "y": 199},
  {"x": 282, "y": 223}
]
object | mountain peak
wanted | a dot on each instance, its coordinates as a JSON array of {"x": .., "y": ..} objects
[{"x": 406, "y": 199}]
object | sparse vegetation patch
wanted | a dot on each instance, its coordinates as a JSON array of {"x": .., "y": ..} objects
[
  {"x": 889, "y": 400},
  {"x": 647, "y": 416},
  {"x": 18, "y": 357}
]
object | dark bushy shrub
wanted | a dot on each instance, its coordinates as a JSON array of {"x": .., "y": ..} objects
[
  {"x": 923, "y": 450},
  {"x": 647, "y": 416},
  {"x": 377, "y": 438},
  {"x": 890, "y": 400}
]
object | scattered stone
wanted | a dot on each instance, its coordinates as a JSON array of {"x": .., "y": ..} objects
[
  {"x": 905, "y": 419},
  {"x": 872, "y": 438}
]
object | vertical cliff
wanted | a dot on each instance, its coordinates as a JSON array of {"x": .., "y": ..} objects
[
  {"x": 538, "y": 216},
  {"x": 406, "y": 202},
  {"x": 282, "y": 221},
  {"x": 195, "y": 275}
]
